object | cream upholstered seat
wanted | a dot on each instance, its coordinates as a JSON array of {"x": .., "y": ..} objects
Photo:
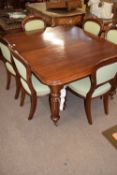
[
  {"x": 102, "y": 80},
  {"x": 93, "y": 26},
  {"x": 111, "y": 34},
  {"x": 29, "y": 82},
  {"x": 32, "y": 22},
  {"x": 7, "y": 59}
]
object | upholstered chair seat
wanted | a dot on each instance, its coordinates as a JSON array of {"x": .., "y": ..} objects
[
  {"x": 83, "y": 86},
  {"x": 30, "y": 84},
  {"x": 39, "y": 88},
  {"x": 99, "y": 84}
]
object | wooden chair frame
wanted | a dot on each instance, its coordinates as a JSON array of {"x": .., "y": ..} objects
[
  {"x": 33, "y": 95},
  {"x": 94, "y": 86},
  {"x": 9, "y": 74},
  {"x": 31, "y": 18},
  {"x": 112, "y": 27},
  {"x": 96, "y": 20}
]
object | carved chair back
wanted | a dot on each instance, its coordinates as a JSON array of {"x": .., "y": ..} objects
[
  {"x": 93, "y": 26},
  {"x": 6, "y": 55},
  {"x": 24, "y": 71},
  {"x": 111, "y": 34},
  {"x": 32, "y": 22},
  {"x": 105, "y": 73}
]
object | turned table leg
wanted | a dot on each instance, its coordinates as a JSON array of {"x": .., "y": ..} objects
[{"x": 54, "y": 103}]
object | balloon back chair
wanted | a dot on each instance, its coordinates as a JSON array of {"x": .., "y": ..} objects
[
  {"x": 30, "y": 84},
  {"x": 111, "y": 34},
  {"x": 102, "y": 80},
  {"x": 93, "y": 26},
  {"x": 32, "y": 22},
  {"x": 9, "y": 65}
]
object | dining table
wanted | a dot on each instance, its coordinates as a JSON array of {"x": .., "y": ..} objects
[{"x": 60, "y": 55}]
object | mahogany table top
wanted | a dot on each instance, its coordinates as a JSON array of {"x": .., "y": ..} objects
[{"x": 62, "y": 54}]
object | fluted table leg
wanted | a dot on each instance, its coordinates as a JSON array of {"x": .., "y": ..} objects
[{"x": 54, "y": 103}]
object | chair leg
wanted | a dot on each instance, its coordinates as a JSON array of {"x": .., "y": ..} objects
[
  {"x": 17, "y": 88},
  {"x": 8, "y": 80},
  {"x": 22, "y": 97},
  {"x": 105, "y": 102},
  {"x": 87, "y": 104},
  {"x": 33, "y": 106}
]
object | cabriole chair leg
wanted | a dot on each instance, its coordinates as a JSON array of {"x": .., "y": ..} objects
[
  {"x": 33, "y": 106},
  {"x": 8, "y": 80},
  {"x": 105, "y": 102},
  {"x": 22, "y": 97},
  {"x": 87, "y": 104},
  {"x": 17, "y": 88}
]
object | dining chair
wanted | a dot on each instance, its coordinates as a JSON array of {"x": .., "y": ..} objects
[
  {"x": 102, "y": 80},
  {"x": 93, "y": 26},
  {"x": 8, "y": 62},
  {"x": 30, "y": 84},
  {"x": 111, "y": 34},
  {"x": 32, "y": 22}
]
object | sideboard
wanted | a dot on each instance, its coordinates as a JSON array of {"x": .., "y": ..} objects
[{"x": 56, "y": 17}]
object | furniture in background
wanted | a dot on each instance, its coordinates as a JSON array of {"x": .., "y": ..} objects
[
  {"x": 29, "y": 82},
  {"x": 63, "y": 4},
  {"x": 93, "y": 26},
  {"x": 115, "y": 8},
  {"x": 32, "y": 22},
  {"x": 101, "y": 9},
  {"x": 8, "y": 62},
  {"x": 10, "y": 21},
  {"x": 56, "y": 17},
  {"x": 61, "y": 55},
  {"x": 14, "y": 4},
  {"x": 97, "y": 85}
]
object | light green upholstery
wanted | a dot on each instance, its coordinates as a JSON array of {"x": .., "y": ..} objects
[
  {"x": 83, "y": 86},
  {"x": 106, "y": 73},
  {"x": 10, "y": 68},
  {"x": 103, "y": 75},
  {"x": 112, "y": 36},
  {"x": 20, "y": 68},
  {"x": 5, "y": 52},
  {"x": 40, "y": 88},
  {"x": 34, "y": 25},
  {"x": 7, "y": 56},
  {"x": 92, "y": 27},
  {"x": 99, "y": 83}
]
